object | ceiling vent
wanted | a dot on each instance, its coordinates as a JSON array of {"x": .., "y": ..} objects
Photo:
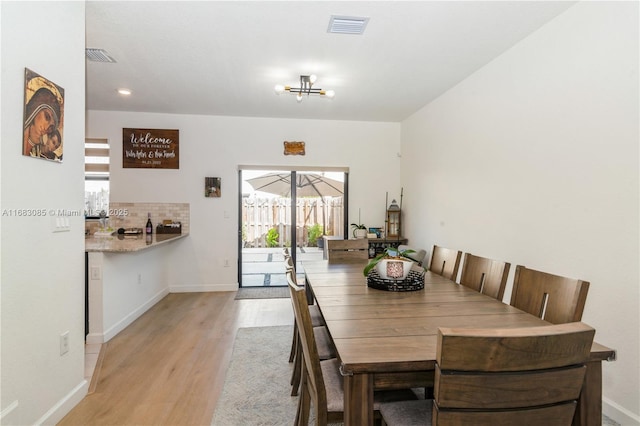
[
  {"x": 98, "y": 55},
  {"x": 347, "y": 24}
]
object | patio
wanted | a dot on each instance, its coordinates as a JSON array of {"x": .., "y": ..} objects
[{"x": 263, "y": 266}]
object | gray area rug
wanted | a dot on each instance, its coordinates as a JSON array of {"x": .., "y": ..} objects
[
  {"x": 263, "y": 293},
  {"x": 256, "y": 389}
]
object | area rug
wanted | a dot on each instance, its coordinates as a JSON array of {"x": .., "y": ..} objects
[
  {"x": 257, "y": 390},
  {"x": 263, "y": 293}
]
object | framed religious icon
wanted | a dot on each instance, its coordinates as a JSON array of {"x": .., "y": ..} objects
[{"x": 43, "y": 118}]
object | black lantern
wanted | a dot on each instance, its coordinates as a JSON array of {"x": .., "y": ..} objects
[{"x": 393, "y": 220}]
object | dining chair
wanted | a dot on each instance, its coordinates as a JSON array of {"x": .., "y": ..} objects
[
  {"x": 523, "y": 376},
  {"x": 483, "y": 275},
  {"x": 348, "y": 251},
  {"x": 445, "y": 262},
  {"x": 417, "y": 256},
  {"x": 322, "y": 382},
  {"x": 553, "y": 298},
  {"x": 323, "y": 340}
]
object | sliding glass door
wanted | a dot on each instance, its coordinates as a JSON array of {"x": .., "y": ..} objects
[{"x": 286, "y": 208}]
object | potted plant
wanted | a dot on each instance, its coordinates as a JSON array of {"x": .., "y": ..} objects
[
  {"x": 314, "y": 235},
  {"x": 359, "y": 231},
  {"x": 391, "y": 264}
]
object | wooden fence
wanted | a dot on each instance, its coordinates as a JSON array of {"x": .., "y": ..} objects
[{"x": 263, "y": 218}]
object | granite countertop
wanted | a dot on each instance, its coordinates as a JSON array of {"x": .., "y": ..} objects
[{"x": 130, "y": 243}]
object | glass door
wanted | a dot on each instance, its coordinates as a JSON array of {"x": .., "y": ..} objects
[{"x": 286, "y": 208}]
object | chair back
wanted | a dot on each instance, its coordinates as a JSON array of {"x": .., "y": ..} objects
[
  {"x": 312, "y": 372},
  {"x": 486, "y": 276},
  {"x": 524, "y": 376},
  {"x": 348, "y": 251},
  {"x": 553, "y": 298},
  {"x": 445, "y": 262}
]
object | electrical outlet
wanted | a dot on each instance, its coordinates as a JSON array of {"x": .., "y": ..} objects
[
  {"x": 64, "y": 343},
  {"x": 139, "y": 278},
  {"x": 226, "y": 263}
]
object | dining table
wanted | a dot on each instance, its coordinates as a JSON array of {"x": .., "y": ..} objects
[{"x": 387, "y": 339}]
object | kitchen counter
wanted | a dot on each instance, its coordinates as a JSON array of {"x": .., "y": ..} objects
[{"x": 130, "y": 243}]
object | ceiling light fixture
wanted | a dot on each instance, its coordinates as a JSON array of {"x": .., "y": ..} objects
[
  {"x": 125, "y": 92},
  {"x": 306, "y": 88}
]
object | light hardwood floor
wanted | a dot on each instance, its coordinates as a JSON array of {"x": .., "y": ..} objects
[{"x": 169, "y": 366}]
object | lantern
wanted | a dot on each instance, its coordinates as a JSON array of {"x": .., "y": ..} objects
[{"x": 393, "y": 220}]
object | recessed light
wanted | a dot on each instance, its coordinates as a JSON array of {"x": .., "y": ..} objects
[{"x": 125, "y": 92}]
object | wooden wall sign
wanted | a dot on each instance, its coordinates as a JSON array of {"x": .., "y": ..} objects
[
  {"x": 150, "y": 149},
  {"x": 294, "y": 148}
]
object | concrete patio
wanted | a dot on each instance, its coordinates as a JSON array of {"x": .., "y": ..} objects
[{"x": 263, "y": 267}]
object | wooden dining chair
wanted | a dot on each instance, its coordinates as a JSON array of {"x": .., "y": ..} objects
[
  {"x": 483, "y": 275},
  {"x": 323, "y": 340},
  {"x": 445, "y": 262},
  {"x": 484, "y": 377},
  {"x": 553, "y": 298},
  {"x": 322, "y": 383},
  {"x": 348, "y": 251}
]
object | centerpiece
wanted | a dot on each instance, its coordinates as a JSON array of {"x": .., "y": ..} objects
[{"x": 393, "y": 270}]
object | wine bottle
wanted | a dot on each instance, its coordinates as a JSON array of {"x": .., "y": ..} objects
[{"x": 149, "y": 227}]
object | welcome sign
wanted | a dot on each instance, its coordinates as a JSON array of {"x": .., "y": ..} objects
[{"x": 150, "y": 149}]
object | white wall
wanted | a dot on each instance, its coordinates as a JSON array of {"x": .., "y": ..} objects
[
  {"x": 215, "y": 146},
  {"x": 42, "y": 278},
  {"x": 534, "y": 160}
]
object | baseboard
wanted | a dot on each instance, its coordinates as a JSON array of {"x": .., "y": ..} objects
[
  {"x": 65, "y": 405},
  {"x": 94, "y": 339},
  {"x": 127, "y": 320},
  {"x": 618, "y": 414},
  {"x": 203, "y": 288}
]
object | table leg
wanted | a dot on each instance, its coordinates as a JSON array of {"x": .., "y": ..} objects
[
  {"x": 358, "y": 400},
  {"x": 589, "y": 409}
]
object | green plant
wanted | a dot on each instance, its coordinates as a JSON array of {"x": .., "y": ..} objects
[
  {"x": 272, "y": 238},
  {"x": 388, "y": 253},
  {"x": 355, "y": 227},
  {"x": 314, "y": 232}
]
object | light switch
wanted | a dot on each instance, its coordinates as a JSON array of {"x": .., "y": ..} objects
[{"x": 60, "y": 224}]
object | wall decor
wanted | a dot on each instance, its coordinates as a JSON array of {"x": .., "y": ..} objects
[
  {"x": 43, "y": 118},
  {"x": 212, "y": 187},
  {"x": 294, "y": 148},
  {"x": 150, "y": 149}
]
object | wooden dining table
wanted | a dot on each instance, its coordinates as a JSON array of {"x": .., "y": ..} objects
[{"x": 387, "y": 340}]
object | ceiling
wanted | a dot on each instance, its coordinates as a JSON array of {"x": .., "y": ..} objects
[{"x": 225, "y": 57}]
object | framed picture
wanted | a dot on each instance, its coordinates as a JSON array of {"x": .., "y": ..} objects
[
  {"x": 150, "y": 148},
  {"x": 212, "y": 187},
  {"x": 43, "y": 118}
]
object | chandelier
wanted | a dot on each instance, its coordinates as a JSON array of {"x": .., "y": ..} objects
[{"x": 306, "y": 88}]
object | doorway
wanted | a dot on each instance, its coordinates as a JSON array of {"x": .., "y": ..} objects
[{"x": 292, "y": 208}]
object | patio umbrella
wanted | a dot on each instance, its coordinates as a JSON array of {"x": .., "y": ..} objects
[{"x": 307, "y": 185}]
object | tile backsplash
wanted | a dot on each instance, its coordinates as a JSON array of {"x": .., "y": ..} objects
[{"x": 135, "y": 215}]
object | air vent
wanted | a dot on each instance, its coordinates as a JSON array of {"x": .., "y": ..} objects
[
  {"x": 98, "y": 55},
  {"x": 347, "y": 24}
]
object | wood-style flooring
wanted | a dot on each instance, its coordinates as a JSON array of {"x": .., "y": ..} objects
[{"x": 169, "y": 366}]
